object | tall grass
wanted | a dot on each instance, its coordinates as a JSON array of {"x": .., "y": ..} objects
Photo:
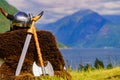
[{"x": 98, "y": 74}]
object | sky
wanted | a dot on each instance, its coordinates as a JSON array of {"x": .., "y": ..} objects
[{"x": 56, "y": 9}]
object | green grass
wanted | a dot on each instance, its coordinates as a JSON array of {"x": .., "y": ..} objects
[{"x": 101, "y": 74}]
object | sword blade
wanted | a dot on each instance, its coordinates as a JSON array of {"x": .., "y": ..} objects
[{"x": 22, "y": 57}]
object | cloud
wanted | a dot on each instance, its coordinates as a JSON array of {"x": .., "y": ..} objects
[
  {"x": 17, "y": 3},
  {"x": 56, "y": 9},
  {"x": 109, "y": 8}
]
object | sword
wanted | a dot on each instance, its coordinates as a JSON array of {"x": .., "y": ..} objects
[{"x": 22, "y": 57}]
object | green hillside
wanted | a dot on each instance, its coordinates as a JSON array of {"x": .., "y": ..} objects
[
  {"x": 60, "y": 45},
  {"x": 4, "y": 23}
]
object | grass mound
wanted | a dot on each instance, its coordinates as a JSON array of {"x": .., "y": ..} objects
[{"x": 11, "y": 45}]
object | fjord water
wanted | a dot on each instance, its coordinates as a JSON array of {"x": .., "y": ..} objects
[{"x": 74, "y": 57}]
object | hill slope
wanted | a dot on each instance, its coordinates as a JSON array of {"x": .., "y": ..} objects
[
  {"x": 85, "y": 29},
  {"x": 4, "y": 23}
]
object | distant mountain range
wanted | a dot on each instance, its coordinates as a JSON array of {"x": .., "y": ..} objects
[{"x": 86, "y": 29}]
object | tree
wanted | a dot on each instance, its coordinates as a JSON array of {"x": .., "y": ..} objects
[
  {"x": 98, "y": 64},
  {"x": 109, "y": 66}
]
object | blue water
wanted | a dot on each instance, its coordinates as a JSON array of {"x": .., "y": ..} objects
[{"x": 74, "y": 57}]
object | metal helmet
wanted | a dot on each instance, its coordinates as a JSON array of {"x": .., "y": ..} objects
[{"x": 21, "y": 19}]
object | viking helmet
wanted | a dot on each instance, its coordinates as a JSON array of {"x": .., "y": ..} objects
[{"x": 21, "y": 19}]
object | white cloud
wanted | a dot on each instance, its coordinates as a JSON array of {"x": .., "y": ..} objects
[
  {"x": 55, "y": 9},
  {"x": 108, "y": 8},
  {"x": 111, "y": 5},
  {"x": 18, "y": 3}
]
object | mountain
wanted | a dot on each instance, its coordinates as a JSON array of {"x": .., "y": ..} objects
[
  {"x": 4, "y": 23},
  {"x": 113, "y": 18},
  {"x": 85, "y": 29}
]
